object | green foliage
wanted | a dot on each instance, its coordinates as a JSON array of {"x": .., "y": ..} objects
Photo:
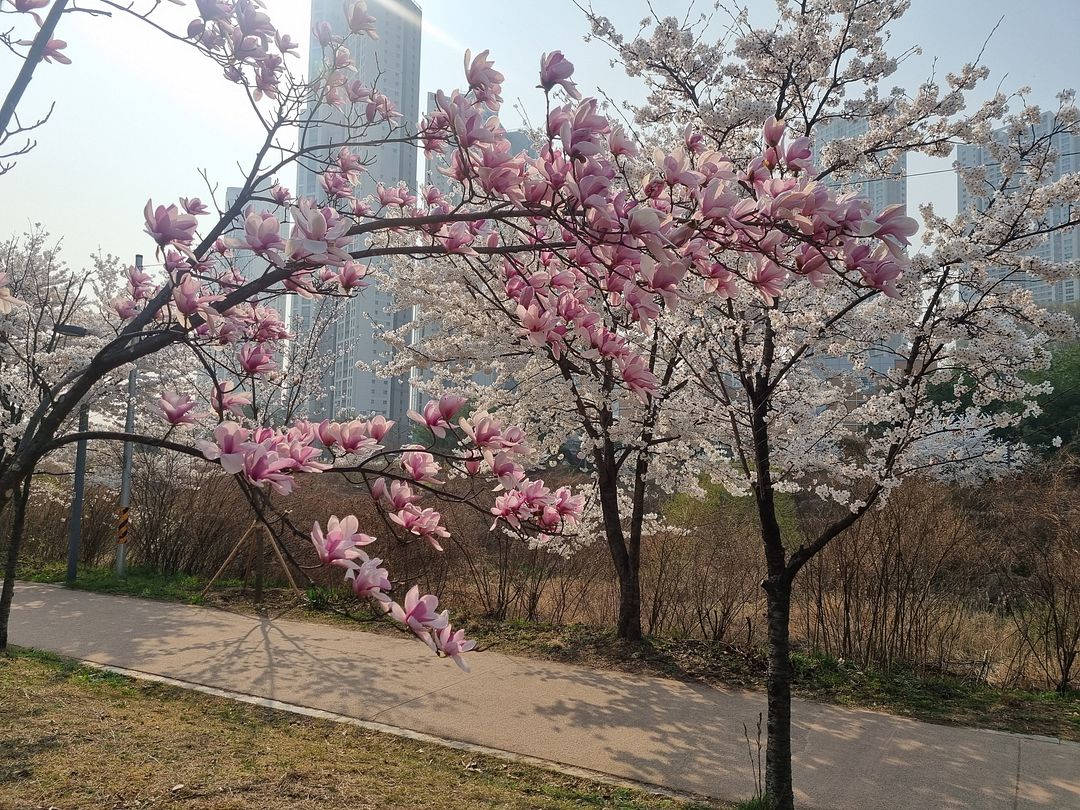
[
  {"x": 67, "y": 669},
  {"x": 141, "y": 582},
  {"x": 937, "y": 697},
  {"x": 1061, "y": 409},
  {"x": 1060, "y": 415},
  {"x": 318, "y": 597},
  {"x": 720, "y": 507}
]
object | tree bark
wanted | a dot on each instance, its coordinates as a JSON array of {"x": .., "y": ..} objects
[
  {"x": 626, "y": 556},
  {"x": 778, "y": 784},
  {"x": 18, "y": 523},
  {"x": 629, "y": 627}
]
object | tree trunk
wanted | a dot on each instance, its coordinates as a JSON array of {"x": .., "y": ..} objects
[
  {"x": 778, "y": 787},
  {"x": 629, "y": 627},
  {"x": 625, "y": 556},
  {"x": 18, "y": 523}
]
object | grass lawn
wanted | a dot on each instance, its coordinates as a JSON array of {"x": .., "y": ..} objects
[
  {"x": 74, "y": 737},
  {"x": 935, "y": 698}
]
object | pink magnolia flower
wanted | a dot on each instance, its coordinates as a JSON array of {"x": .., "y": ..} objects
[
  {"x": 799, "y": 154},
  {"x": 140, "y": 283},
  {"x": 319, "y": 235},
  {"x": 557, "y": 69},
  {"x": 194, "y": 206},
  {"x": 359, "y": 21},
  {"x": 355, "y": 437},
  {"x": 621, "y": 144},
  {"x": 419, "y": 613},
  {"x": 351, "y": 276},
  {"x": 512, "y": 507},
  {"x": 265, "y": 466},
  {"x": 482, "y": 77},
  {"x": 881, "y": 272},
  {"x": 329, "y": 433},
  {"x": 894, "y": 228},
  {"x": 168, "y": 226},
  {"x": 637, "y": 377},
  {"x": 52, "y": 49},
  {"x": 229, "y": 447},
  {"x": 262, "y": 233},
  {"x": 348, "y": 161},
  {"x": 280, "y": 194},
  {"x": 336, "y": 183},
  {"x": 256, "y": 358},
  {"x": 436, "y": 416},
  {"x": 224, "y": 397},
  {"x": 538, "y": 325},
  {"x": 567, "y": 504},
  {"x": 508, "y": 471},
  {"x": 677, "y": 169},
  {"x": 191, "y": 297},
  {"x": 286, "y": 45},
  {"x": 340, "y": 545},
  {"x": 769, "y": 279},
  {"x": 378, "y": 427},
  {"x": 126, "y": 308},
  {"x": 773, "y": 131},
  {"x": 664, "y": 277},
  {"x": 420, "y": 466},
  {"x": 457, "y": 238},
  {"x": 693, "y": 141},
  {"x": 424, "y": 523},
  {"x": 484, "y": 430},
  {"x": 395, "y": 497},
  {"x": 368, "y": 580},
  {"x": 453, "y": 644},
  {"x": 324, "y": 32},
  {"x": 177, "y": 408}
]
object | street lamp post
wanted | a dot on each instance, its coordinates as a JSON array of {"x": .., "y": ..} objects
[
  {"x": 125, "y": 479},
  {"x": 75, "y": 528}
]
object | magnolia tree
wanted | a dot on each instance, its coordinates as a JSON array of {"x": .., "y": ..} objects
[
  {"x": 723, "y": 308},
  {"x": 203, "y": 304}
]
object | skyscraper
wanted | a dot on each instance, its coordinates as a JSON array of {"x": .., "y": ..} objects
[
  {"x": 881, "y": 192},
  {"x": 1060, "y": 246},
  {"x": 520, "y": 141},
  {"x": 391, "y": 64}
]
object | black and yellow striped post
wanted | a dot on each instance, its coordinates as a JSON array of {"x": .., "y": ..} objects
[{"x": 122, "y": 525}]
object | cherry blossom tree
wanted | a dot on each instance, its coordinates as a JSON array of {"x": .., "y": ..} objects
[{"x": 738, "y": 315}]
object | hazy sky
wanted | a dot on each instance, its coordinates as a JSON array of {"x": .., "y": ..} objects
[{"x": 137, "y": 116}]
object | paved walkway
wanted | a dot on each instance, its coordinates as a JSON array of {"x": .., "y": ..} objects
[{"x": 682, "y": 736}]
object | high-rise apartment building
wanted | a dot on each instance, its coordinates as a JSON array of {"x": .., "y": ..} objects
[
  {"x": 392, "y": 64},
  {"x": 881, "y": 192},
  {"x": 1060, "y": 246},
  {"x": 520, "y": 141}
]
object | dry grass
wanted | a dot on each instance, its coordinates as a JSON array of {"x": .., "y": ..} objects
[{"x": 76, "y": 737}]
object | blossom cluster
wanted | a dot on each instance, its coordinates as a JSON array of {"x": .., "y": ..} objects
[
  {"x": 486, "y": 445},
  {"x": 693, "y": 214}
]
